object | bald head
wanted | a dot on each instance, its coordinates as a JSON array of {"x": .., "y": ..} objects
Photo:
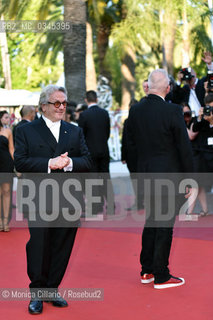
[
  {"x": 158, "y": 82},
  {"x": 28, "y": 113}
]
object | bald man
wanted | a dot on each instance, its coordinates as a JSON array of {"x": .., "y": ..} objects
[
  {"x": 27, "y": 115},
  {"x": 158, "y": 131}
]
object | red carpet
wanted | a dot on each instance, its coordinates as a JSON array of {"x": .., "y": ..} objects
[{"x": 110, "y": 260}]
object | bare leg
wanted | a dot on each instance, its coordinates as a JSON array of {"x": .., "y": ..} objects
[
  {"x": 203, "y": 201},
  {"x": 191, "y": 207},
  {"x": 6, "y": 204},
  {"x": 202, "y": 198}
]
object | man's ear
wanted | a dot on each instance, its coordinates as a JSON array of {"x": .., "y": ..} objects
[
  {"x": 168, "y": 89},
  {"x": 43, "y": 108}
]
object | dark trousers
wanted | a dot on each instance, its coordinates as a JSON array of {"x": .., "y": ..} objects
[
  {"x": 100, "y": 164},
  {"x": 157, "y": 239},
  {"x": 154, "y": 257},
  {"x": 48, "y": 253},
  {"x": 100, "y": 170},
  {"x": 137, "y": 184}
]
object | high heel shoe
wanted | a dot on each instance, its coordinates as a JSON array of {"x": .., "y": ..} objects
[
  {"x": 1, "y": 225},
  {"x": 6, "y": 225},
  {"x": 204, "y": 213}
]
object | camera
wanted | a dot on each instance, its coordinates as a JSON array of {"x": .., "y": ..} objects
[
  {"x": 186, "y": 73},
  {"x": 187, "y": 114},
  {"x": 207, "y": 110},
  {"x": 210, "y": 79}
]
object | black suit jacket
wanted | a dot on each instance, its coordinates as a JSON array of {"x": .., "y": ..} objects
[
  {"x": 35, "y": 145},
  {"x": 128, "y": 151},
  {"x": 181, "y": 94},
  {"x": 158, "y": 131},
  {"x": 23, "y": 121},
  {"x": 95, "y": 123},
  {"x": 205, "y": 132}
]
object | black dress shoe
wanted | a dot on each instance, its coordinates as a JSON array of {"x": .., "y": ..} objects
[
  {"x": 59, "y": 302},
  {"x": 132, "y": 208},
  {"x": 35, "y": 307},
  {"x": 135, "y": 207}
]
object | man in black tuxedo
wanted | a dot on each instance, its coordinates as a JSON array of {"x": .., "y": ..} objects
[
  {"x": 46, "y": 145},
  {"x": 27, "y": 115},
  {"x": 95, "y": 123},
  {"x": 193, "y": 92},
  {"x": 158, "y": 131}
]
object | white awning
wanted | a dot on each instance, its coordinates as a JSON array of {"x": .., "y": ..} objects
[{"x": 11, "y": 98}]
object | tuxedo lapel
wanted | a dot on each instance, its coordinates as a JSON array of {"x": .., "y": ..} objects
[{"x": 46, "y": 134}]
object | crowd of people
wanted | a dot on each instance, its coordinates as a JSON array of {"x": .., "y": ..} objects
[
  {"x": 61, "y": 136},
  {"x": 188, "y": 91}
]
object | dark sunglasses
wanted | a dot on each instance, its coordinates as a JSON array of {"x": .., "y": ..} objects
[{"x": 57, "y": 104}]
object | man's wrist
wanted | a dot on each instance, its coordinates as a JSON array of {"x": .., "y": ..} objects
[
  {"x": 49, "y": 169},
  {"x": 69, "y": 167}
]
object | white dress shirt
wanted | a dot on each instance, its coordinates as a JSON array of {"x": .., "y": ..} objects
[
  {"x": 55, "y": 129},
  {"x": 193, "y": 100}
]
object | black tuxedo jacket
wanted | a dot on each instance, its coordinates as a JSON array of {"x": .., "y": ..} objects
[
  {"x": 95, "y": 123},
  {"x": 35, "y": 145},
  {"x": 158, "y": 131}
]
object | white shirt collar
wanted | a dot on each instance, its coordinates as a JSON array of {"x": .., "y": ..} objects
[
  {"x": 160, "y": 96},
  {"x": 92, "y": 104},
  {"x": 50, "y": 123},
  {"x": 53, "y": 126}
]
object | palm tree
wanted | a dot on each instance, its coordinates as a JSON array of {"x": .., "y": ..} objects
[
  {"x": 5, "y": 59},
  {"x": 91, "y": 81},
  {"x": 157, "y": 26},
  {"x": 73, "y": 43},
  {"x": 75, "y": 49},
  {"x": 103, "y": 14}
]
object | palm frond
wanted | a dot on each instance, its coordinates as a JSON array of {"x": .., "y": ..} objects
[{"x": 53, "y": 44}]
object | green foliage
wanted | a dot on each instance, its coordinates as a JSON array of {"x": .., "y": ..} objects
[
  {"x": 34, "y": 56},
  {"x": 14, "y": 9},
  {"x": 147, "y": 23},
  {"x": 27, "y": 72},
  {"x": 113, "y": 60},
  {"x": 139, "y": 24},
  {"x": 104, "y": 11}
]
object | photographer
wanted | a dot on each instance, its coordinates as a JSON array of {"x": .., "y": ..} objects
[
  {"x": 193, "y": 91},
  {"x": 209, "y": 83},
  {"x": 204, "y": 125}
]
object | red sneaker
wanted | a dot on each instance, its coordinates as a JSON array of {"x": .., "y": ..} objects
[
  {"x": 172, "y": 282},
  {"x": 147, "y": 278}
]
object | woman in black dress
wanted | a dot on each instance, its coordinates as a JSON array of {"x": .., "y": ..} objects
[
  {"x": 199, "y": 162},
  {"x": 6, "y": 166}
]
